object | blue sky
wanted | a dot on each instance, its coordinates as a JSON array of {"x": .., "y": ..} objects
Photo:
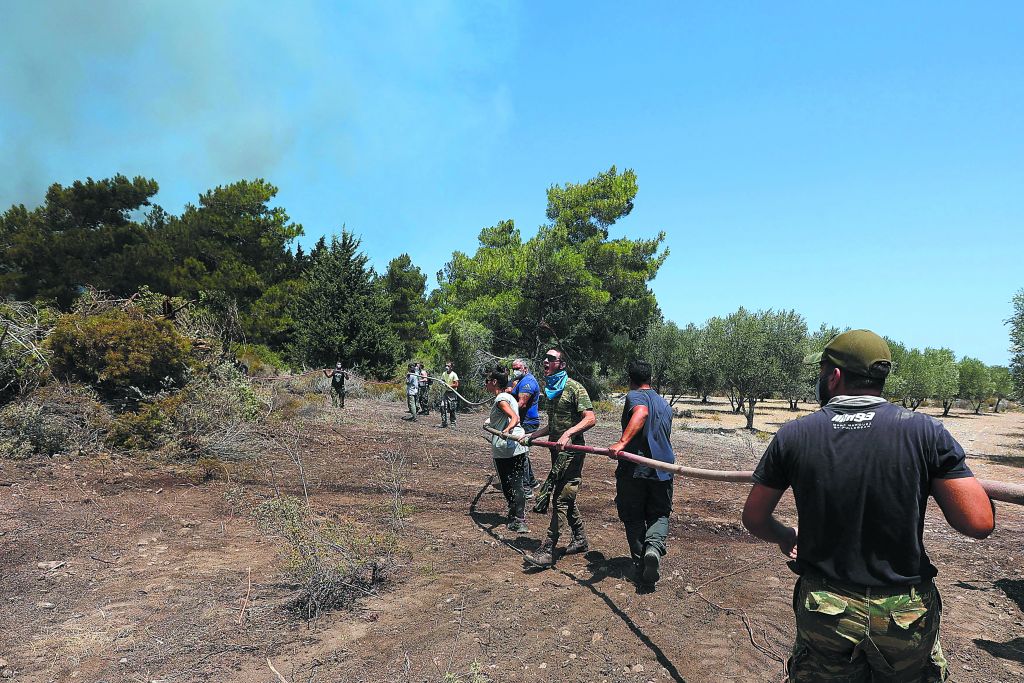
[{"x": 861, "y": 165}]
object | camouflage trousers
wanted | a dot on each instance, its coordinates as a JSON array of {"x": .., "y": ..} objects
[
  {"x": 565, "y": 514},
  {"x": 859, "y": 633}
]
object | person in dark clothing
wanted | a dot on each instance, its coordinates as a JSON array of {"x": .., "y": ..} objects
[
  {"x": 861, "y": 470},
  {"x": 337, "y": 377},
  {"x": 643, "y": 495},
  {"x": 424, "y": 390}
]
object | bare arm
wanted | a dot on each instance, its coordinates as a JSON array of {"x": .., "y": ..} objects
[
  {"x": 586, "y": 422},
  {"x": 524, "y": 398},
  {"x": 759, "y": 519},
  {"x": 965, "y": 505},
  {"x": 513, "y": 417},
  {"x": 637, "y": 418}
]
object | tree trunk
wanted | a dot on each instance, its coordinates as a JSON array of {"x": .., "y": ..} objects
[
  {"x": 996, "y": 409},
  {"x": 946, "y": 405},
  {"x": 704, "y": 398},
  {"x": 750, "y": 412},
  {"x": 977, "y": 408}
]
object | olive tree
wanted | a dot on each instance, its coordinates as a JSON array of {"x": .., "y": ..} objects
[
  {"x": 975, "y": 382},
  {"x": 1002, "y": 384},
  {"x": 760, "y": 351}
]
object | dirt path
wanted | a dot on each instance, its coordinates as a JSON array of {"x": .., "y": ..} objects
[{"x": 156, "y": 565}]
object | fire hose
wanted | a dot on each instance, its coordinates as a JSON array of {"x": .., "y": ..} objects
[{"x": 996, "y": 490}]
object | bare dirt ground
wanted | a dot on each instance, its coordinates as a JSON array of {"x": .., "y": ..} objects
[{"x": 153, "y": 575}]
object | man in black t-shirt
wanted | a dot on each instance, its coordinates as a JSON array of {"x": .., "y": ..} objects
[
  {"x": 643, "y": 495},
  {"x": 861, "y": 470},
  {"x": 337, "y": 377}
]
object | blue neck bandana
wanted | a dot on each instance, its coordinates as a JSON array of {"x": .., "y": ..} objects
[{"x": 553, "y": 385}]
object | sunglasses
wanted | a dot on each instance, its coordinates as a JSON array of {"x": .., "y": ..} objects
[{"x": 552, "y": 359}]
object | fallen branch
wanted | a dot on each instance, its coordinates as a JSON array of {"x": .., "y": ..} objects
[
  {"x": 245, "y": 601},
  {"x": 276, "y": 672}
]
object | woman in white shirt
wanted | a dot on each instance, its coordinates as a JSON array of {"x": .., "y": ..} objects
[{"x": 509, "y": 455}]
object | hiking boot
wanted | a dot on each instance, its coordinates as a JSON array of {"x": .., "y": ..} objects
[
  {"x": 543, "y": 557},
  {"x": 518, "y": 526},
  {"x": 652, "y": 566},
  {"x": 578, "y": 545}
]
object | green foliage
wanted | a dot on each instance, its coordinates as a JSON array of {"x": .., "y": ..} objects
[
  {"x": 150, "y": 426},
  {"x": 81, "y": 235},
  {"x": 232, "y": 242},
  {"x": 568, "y": 284},
  {"x": 459, "y": 339},
  {"x": 759, "y": 352},
  {"x": 1016, "y": 325},
  {"x": 941, "y": 364},
  {"x": 705, "y": 375},
  {"x": 896, "y": 387},
  {"x": 975, "y": 382},
  {"x": 119, "y": 351},
  {"x": 586, "y": 211},
  {"x": 260, "y": 359},
  {"x": 406, "y": 287},
  {"x": 1002, "y": 383},
  {"x": 667, "y": 349},
  {"x": 342, "y": 311}
]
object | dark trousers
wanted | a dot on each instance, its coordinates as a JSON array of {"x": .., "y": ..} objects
[
  {"x": 510, "y": 472},
  {"x": 424, "y": 397},
  {"x": 644, "y": 506},
  {"x": 529, "y": 479}
]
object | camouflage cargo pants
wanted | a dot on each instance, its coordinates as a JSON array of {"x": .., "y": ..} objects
[
  {"x": 565, "y": 514},
  {"x": 846, "y": 633}
]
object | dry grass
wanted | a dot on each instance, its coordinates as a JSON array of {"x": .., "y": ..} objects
[{"x": 67, "y": 645}]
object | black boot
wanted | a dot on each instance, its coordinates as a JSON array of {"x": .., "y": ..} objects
[
  {"x": 578, "y": 545},
  {"x": 543, "y": 557}
]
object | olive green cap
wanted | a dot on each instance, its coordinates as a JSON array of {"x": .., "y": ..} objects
[{"x": 859, "y": 351}]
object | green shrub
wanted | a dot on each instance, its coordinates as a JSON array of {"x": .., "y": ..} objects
[
  {"x": 148, "y": 427},
  {"x": 119, "y": 350},
  {"x": 259, "y": 359}
]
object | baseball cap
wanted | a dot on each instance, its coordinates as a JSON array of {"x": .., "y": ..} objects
[{"x": 859, "y": 351}]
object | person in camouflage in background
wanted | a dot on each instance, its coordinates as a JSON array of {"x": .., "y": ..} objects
[
  {"x": 570, "y": 413},
  {"x": 861, "y": 470}
]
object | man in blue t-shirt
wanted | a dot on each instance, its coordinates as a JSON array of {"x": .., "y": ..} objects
[
  {"x": 643, "y": 495},
  {"x": 861, "y": 470},
  {"x": 527, "y": 391}
]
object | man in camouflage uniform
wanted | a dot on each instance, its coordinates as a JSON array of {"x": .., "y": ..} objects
[
  {"x": 861, "y": 470},
  {"x": 570, "y": 413}
]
